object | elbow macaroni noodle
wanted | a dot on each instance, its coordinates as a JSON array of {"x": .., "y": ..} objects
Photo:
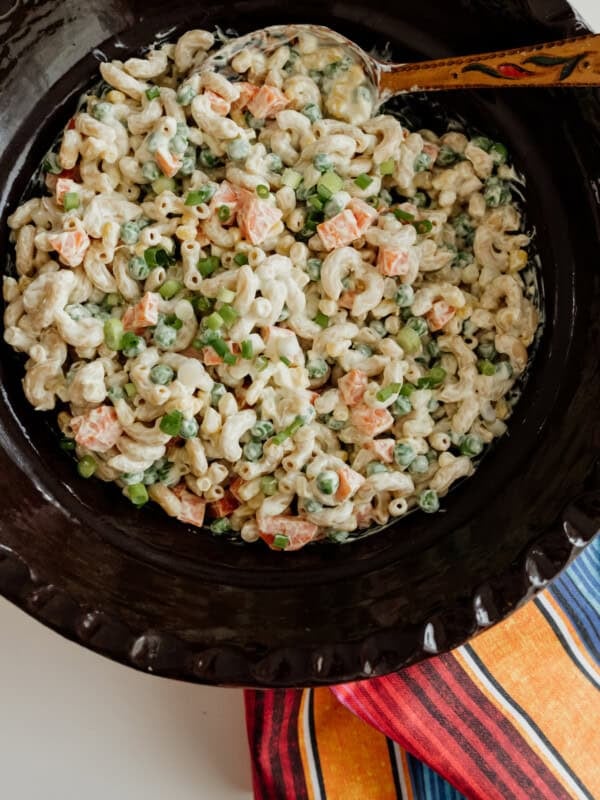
[{"x": 252, "y": 299}]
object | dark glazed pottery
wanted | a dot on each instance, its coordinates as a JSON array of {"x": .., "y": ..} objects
[{"x": 145, "y": 590}]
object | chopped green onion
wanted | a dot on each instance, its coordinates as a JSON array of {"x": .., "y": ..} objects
[
  {"x": 161, "y": 374},
  {"x": 113, "y": 333},
  {"x": 322, "y": 320},
  {"x": 202, "y": 304},
  {"x": 221, "y": 348},
  {"x": 225, "y": 295},
  {"x": 486, "y": 367},
  {"x": 315, "y": 202},
  {"x": 164, "y": 184},
  {"x": 223, "y": 213},
  {"x": 409, "y": 340},
  {"x": 169, "y": 289},
  {"x": 201, "y": 195},
  {"x": 156, "y": 257},
  {"x": 328, "y": 482},
  {"x": 228, "y": 313},
  {"x": 87, "y": 466},
  {"x": 206, "y": 266},
  {"x": 220, "y": 525},
  {"x": 262, "y": 191},
  {"x": 213, "y": 321},
  {"x": 138, "y": 494},
  {"x": 403, "y": 216},
  {"x": 363, "y": 181},
  {"x": 423, "y": 226},
  {"x": 433, "y": 378},
  {"x": 130, "y": 389},
  {"x": 388, "y": 391},
  {"x": 262, "y": 362},
  {"x": 240, "y": 259},
  {"x": 153, "y": 92},
  {"x": 70, "y": 201},
  {"x": 280, "y": 541},
  {"x": 269, "y": 485},
  {"x": 482, "y": 142},
  {"x": 247, "y": 348},
  {"x": 429, "y": 502},
  {"x": 407, "y": 389},
  {"x": 171, "y": 423},
  {"x": 51, "y": 164},
  {"x": 261, "y": 430},
  {"x": 291, "y": 178},
  {"x": 285, "y": 360},
  {"x": 329, "y": 183},
  {"x": 291, "y": 429}
]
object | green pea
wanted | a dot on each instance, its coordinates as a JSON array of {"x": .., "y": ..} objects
[
  {"x": 487, "y": 350},
  {"x": 418, "y": 324},
  {"x": 420, "y": 200},
  {"x": 178, "y": 145},
  {"x": 405, "y": 296},
  {"x": 432, "y": 379},
  {"x": 462, "y": 259},
  {"x": 262, "y": 430},
  {"x": 164, "y": 335},
  {"x": 115, "y": 393},
  {"x": 377, "y": 326},
  {"x": 409, "y": 340},
  {"x": 77, "y": 311},
  {"x": 375, "y": 467},
  {"x": 188, "y": 429},
  {"x": 132, "y": 345},
  {"x": 423, "y": 163},
  {"x": 328, "y": 481},
  {"x": 471, "y": 446},
  {"x": 496, "y": 192},
  {"x": 185, "y": 95},
  {"x": 364, "y": 350},
  {"x": 220, "y": 525},
  {"x": 274, "y": 163},
  {"x": 129, "y": 232},
  {"x": 238, "y": 149},
  {"x": 404, "y": 455},
  {"x": 419, "y": 465},
  {"x": 101, "y": 111},
  {"x": 499, "y": 153},
  {"x": 482, "y": 142},
  {"x": 252, "y": 451},
  {"x": 323, "y": 162},
  {"x": 138, "y": 269},
  {"x": 87, "y": 466},
  {"x": 161, "y": 374},
  {"x": 463, "y": 225},
  {"x": 312, "y": 506},
  {"x": 312, "y": 111},
  {"x": 171, "y": 423},
  {"x": 401, "y": 406},
  {"x": 67, "y": 444},
  {"x": 216, "y": 393},
  {"x": 486, "y": 367},
  {"x": 313, "y": 267},
  {"x": 188, "y": 164},
  {"x": 269, "y": 485},
  {"x": 433, "y": 349},
  {"x": 150, "y": 171},
  {"x": 447, "y": 156},
  {"x": 429, "y": 502},
  {"x": 317, "y": 368}
]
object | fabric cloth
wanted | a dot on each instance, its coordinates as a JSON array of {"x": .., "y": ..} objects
[{"x": 514, "y": 715}]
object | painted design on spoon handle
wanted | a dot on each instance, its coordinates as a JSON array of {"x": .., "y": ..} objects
[{"x": 514, "y": 71}]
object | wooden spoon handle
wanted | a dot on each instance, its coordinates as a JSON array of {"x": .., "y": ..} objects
[{"x": 570, "y": 62}]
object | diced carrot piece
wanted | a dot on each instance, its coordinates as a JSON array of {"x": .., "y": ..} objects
[
  {"x": 347, "y": 299},
  {"x": 371, "y": 421},
  {"x": 193, "y": 507},
  {"x": 64, "y": 185},
  {"x": 71, "y": 124},
  {"x": 409, "y": 208},
  {"x": 364, "y": 214},
  {"x": 70, "y": 245},
  {"x": 383, "y": 449},
  {"x": 226, "y": 195},
  {"x": 432, "y": 150},
  {"x": 143, "y": 314},
  {"x": 298, "y": 531},
  {"x": 267, "y": 102},
  {"x": 247, "y": 92},
  {"x": 313, "y": 397},
  {"x": 393, "y": 262},
  {"x": 439, "y": 315},
  {"x": 72, "y": 174},
  {"x": 167, "y": 161},
  {"x": 234, "y": 488},
  {"x": 224, "y": 507},
  {"x": 98, "y": 429},
  {"x": 350, "y": 482},
  {"x": 256, "y": 218},
  {"x": 217, "y": 103},
  {"x": 212, "y": 359},
  {"x": 353, "y": 386},
  {"x": 339, "y": 231}
]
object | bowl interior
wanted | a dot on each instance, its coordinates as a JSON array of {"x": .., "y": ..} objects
[{"x": 198, "y": 607}]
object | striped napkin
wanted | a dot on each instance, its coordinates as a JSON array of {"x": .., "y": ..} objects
[{"x": 514, "y": 715}]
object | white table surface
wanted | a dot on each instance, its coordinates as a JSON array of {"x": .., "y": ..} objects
[{"x": 75, "y": 725}]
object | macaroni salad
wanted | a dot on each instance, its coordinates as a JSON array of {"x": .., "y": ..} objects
[{"x": 262, "y": 307}]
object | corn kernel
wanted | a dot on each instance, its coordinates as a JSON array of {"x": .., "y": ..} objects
[
  {"x": 517, "y": 260},
  {"x": 115, "y": 96}
]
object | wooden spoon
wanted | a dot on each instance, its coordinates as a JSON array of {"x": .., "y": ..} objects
[{"x": 570, "y": 62}]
